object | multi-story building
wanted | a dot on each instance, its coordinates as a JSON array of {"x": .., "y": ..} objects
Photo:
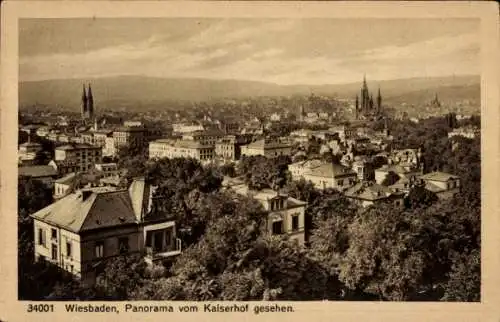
[
  {"x": 285, "y": 214},
  {"x": 84, "y": 155},
  {"x": 165, "y": 148},
  {"x": 28, "y": 152},
  {"x": 100, "y": 137},
  {"x": 181, "y": 128},
  {"x": 109, "y": 148},
  {"x": 130, "y": 136},
  {"x": 83, "y": 230},
  {"x": 229, "y": 147},
  {"x": 107, "y": 169},
  {"x": 330, "y": 175},
  {"x": 267, "y": 147},
  {"x": 298, "y": 169},
  {"x": 208, "y": 137}
]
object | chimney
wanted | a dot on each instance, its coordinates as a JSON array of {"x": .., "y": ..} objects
[{"x": 85, "y": 194}]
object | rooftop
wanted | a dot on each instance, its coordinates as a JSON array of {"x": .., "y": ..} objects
[
  {"x": 438, "y": 176},
  {"x": 99, "y": 207},
  {"x": 330, "y": 170},
  {"x": 368, "y": 191},
  {"x": 37, "y": 171}
]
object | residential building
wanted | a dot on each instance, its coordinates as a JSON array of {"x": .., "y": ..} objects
[
  {"x": 285, "y": 214},
  {"x": 166, "y": 148},
  {"x": 83, "y": 230},
  {"x": 207, "y": 137},
  {"x": 28, "y": 152},
  {"x": 229, "y": 147},
  {"x": 402, "y": 171},
  {"x": 298, "y": 169},
  {"x": 267, "y": 147},
  {"x": 444, "y": 185},
  {"x": 107, "y": 169},
  {"x": 84, "y": 155},
  {"x": 369, "y": 193},
  {"x": 65, "y": 166},
  {"x": 109, "y": 148},
  {"x": 130, "y": 136},
  {"x": 181, "y": 128},
  {"x": 330, "y": 175},
  {"x": 100, "y": 137}
]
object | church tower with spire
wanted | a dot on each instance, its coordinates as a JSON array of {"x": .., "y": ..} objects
[
  {"x": 84, "y": 103},
  {"x": 90, "y": 104},
  {"x": 87, "y": 104}
]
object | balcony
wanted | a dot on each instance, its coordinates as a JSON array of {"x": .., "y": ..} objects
[{"x": 155, "y": 254}]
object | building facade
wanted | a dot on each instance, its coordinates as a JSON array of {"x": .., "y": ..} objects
[
  {"x": 267, "y": 147},
  {"x": 85, "y": 229},
  {"x": 84, "y": 156}
]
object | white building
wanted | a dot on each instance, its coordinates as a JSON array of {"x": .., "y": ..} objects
[{"x": 267, "y": 148}]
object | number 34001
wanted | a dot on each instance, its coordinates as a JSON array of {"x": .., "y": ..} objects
[{"x": 40, "y": 308}]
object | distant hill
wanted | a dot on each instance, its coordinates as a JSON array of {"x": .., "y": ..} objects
[{"x": 113, "y": 91}]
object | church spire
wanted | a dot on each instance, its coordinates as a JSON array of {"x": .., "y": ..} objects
[
  {"x": 90, "y": 103},
  {"x": 84, "y": 102}
]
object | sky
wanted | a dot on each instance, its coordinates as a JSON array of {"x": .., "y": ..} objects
[{"x": 283, "y": 51}]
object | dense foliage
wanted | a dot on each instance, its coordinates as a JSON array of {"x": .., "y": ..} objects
[{"x": 427, "y": 250}]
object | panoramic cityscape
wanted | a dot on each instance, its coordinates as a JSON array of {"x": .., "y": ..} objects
[{"x": 249, "y": 160}]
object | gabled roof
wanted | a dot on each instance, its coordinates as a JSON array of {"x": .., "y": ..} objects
[
  {"x": 309, "y": 164},
  {"x": 368, "y": 191},
  {"x": 37, "y": 171},
  {"x": 438, "y": 176},
  {"x": 330, "y": 170},
  {"x": 100, "y": 207}
]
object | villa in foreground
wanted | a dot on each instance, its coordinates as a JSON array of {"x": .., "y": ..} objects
[{"x": 82, "y": 230}]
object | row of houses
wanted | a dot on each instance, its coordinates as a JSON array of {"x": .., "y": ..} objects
[{"x": 206, "y": 146}]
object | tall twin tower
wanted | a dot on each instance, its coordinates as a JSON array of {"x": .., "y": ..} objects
[
  {"x": 87, "y": 104},
  {"x": 365, "y": 103}
]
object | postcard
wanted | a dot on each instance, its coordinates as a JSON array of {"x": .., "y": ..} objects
[{"x": 249, "y": 160}]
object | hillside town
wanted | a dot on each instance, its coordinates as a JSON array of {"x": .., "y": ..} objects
[{"x": 284, "y": 204}]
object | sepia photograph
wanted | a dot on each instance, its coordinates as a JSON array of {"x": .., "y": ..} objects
[
  {"x": 248, "y": 159},
  {"x": 235, "y": 159}
]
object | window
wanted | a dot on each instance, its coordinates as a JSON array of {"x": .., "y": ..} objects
[
  {"x": 99, "y": 249},
  {"x": 277, "y": 227},
  {"x": 41, "y": 237},
  {"x": 123, "y": 245},
  {"x": 295, "y": 222},
  {"x": 68, "y": 249},
  {"x": 340, "y": 182},
  {"x": 54, "y": 252},
  {"x": 54, "y": 233}
]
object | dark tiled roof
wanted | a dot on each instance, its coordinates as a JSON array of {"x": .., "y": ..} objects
[
  {"x": 368, "y": 191},
  {"x": 102, "y": 208},
  {"x": 37, "y": 171}
]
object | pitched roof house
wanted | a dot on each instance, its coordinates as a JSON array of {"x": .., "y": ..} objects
[{"x": 80, "y": 231}]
